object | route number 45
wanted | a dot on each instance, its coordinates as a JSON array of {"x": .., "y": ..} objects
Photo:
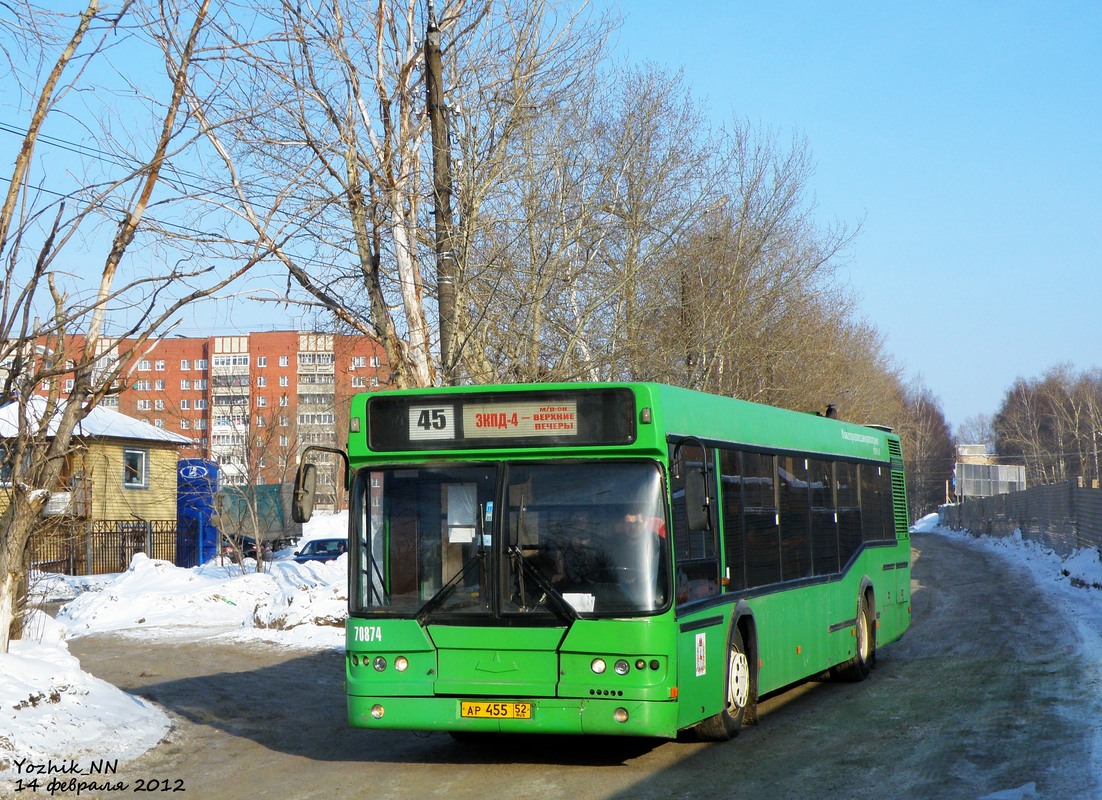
[{"x": 431, "y": 422}]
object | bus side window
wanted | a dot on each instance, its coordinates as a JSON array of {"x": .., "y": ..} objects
[{"x": 731, "y": 513}]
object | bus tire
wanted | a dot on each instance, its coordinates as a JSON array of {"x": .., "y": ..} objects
[
  {"x": 859, "y": 667},
  {"x": 737, "y": 694}
]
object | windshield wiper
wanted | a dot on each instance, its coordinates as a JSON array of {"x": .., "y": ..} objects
[
  {"x": 557, "y": 602},
  {"x": 448, "y": 588}
]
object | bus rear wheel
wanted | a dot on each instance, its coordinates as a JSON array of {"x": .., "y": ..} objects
[
  {"x": 859, "y": 667},
  {"x": 736, "y": 696}
]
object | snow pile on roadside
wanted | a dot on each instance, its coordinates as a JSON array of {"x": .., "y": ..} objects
[
  {"x": 1082, "y": 569},
  {"x": 155, "y": 594},
  {"x": 52, "y": 711}
]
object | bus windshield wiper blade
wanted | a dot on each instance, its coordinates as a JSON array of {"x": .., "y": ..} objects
[
  {"x": 557, "y": 602},
  {"x": 446, "y": 591}
]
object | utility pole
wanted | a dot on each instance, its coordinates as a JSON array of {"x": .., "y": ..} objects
[{"x": 441, "y": 190}]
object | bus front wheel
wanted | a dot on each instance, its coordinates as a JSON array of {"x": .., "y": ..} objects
[{"x": 737, "y": 697}]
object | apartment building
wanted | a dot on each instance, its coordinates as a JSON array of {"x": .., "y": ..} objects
[{"x": 253, "y": 402}]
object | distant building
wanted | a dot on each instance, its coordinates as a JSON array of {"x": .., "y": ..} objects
[
  {"x": 252, "y": 402},
  {"x": 978, "y": 474}
]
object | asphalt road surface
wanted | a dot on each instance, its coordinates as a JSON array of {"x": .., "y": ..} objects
[{"x": 985, "y": 694}]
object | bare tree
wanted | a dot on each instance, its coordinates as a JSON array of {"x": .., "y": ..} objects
[
  {"x": 47, "y": 225},
  {"x": 329, "y": 142},
  {"x": 977, "y": 429},
  {"x": 1022, "y": 431},
  {"x": 927, "y": 449}
]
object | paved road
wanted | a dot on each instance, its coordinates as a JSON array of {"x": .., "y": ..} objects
[{"x": 984, "y": 694}]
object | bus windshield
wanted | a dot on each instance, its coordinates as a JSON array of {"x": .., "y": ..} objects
[{"x": 548, "y": 541}]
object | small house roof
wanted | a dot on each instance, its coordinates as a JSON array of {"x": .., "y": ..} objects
[{"x": 101, "y": 422}]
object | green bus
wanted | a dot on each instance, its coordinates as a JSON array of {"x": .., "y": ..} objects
[{"x": 626, "y": 559}]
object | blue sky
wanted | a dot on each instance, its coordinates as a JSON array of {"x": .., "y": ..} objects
[{"x": 965, "y": 138}]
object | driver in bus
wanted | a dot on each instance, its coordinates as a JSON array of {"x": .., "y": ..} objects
[{"x": 644, "y": 551}]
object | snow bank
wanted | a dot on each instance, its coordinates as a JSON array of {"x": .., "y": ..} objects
[{"x": 52, "y": 711}]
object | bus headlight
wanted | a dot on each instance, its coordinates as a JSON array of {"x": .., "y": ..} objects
[
  {"x": 598, "y": 666},
  {"x": 621, "y": 667},
  {"x": 377, "y": 711},
  {"x": 379, "y": 663},
  {"x": 620, "y": 715},
  {"x": 401, "y": 664}
]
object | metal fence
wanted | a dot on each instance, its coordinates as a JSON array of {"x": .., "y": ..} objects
[
  {"x": 97, "y": 547},
  {"x": 1062, "y": 516}
]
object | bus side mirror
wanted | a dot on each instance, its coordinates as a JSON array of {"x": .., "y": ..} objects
[
  {"x": 696, "y": 500},
  {"x": 302, "y": 501}
]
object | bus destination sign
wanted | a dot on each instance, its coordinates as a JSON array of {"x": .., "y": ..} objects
[
  {"x": 484, "y": 420},
  {"x": 604, "y": 416},
  {"x": 500, "y": 420}
]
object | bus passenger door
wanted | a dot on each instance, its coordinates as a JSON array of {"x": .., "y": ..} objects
[
  {"x": 702, "y": 628},
  {"x": 696, "y": 557}
]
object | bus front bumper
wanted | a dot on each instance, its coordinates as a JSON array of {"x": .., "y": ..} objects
[{"x": 603, "y": 717}]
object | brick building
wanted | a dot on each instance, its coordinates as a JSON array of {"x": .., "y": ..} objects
[{"x": 252, "y": 402}]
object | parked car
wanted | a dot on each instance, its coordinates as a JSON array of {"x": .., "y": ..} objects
[{"x": 321, "y": 550}]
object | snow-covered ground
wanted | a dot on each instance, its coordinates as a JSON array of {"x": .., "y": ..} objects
[{"x": 51, "y": 711}]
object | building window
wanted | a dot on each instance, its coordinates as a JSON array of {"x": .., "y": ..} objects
[
  {"x": 284, "y": 361},
  {"x": 201, "y": 424},
  {"x": 159, "y": 405},
  {"x": 262, "y": 361},
  {"x": 315, "y": 358},
  {"x": 283, "y": 401},
  {"x": 359, "y": 361},
  {"x": 135, "y": 469},
  {"x": 284, "y": 380},
  {"x": 69, "y": 385},
  {"x": 185, "y": 384},
  {"x": 185, "y": 364},
  {"x": 200, "y": 363},
  {"x": 200, "y": 385},
  {"x": 374, "y": 381},
  {"x": 260, "y": 423},
  {"x": 261, "y": 402},
  {"x": 143, "y": 386},
  {"x": 185, "y": 424},
  {"x": 375, "y": 361},
  {"x": 159, "y": 386},
  {"x": 144, "y": 365},
  {"x": 284, "y": 441},
  {"x": 159, "y": 366},
  {"x": 158, "y": 423},
  {"x": 231, "y": 361},
  {"x": 185, "y": 404},
  {"x": 201, "y": 403},
  {"x": 261, "y": 382},
  {"x": 359, "y": 382},
  {"x": 145, "y": 405}
]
